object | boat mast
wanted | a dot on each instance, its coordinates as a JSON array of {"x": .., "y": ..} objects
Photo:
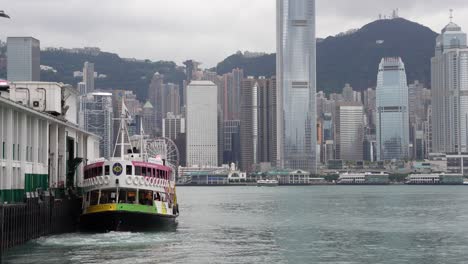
[
  {"x": 123, "y": 132},
  {"x": 142, "y": 146}
]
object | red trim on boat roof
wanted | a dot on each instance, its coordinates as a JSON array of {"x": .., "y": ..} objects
[
  {"x": 151, "y": 165},
  {"x": 94, "y": 165}
]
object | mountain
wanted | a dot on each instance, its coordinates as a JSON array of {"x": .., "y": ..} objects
[
  {"x": 354, "y": 57},
  {"x": 120, "y": 73}
]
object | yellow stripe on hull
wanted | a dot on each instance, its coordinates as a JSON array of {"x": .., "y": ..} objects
[{"x": 101, "y": 208}]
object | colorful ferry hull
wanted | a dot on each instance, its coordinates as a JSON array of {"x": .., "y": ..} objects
[{"x": 127, "y": 217}]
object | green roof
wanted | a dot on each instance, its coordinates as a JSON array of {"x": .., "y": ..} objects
[{"x": 148, "y": 105}]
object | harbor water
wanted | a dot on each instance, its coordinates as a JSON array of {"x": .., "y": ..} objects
[{"x": 323, "y": 224}]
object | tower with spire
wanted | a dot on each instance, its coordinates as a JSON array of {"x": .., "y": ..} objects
[{"x": 449, "y": 71}]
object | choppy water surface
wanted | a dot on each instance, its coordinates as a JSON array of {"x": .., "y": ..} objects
[{"x": 325, "y": 224}]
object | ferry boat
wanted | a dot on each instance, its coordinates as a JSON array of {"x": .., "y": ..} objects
[
  {"x": 267, "y": 183},
  {"x": 131, "y": 192}
]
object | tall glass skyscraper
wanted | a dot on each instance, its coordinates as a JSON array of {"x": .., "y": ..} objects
[
  {"x": 392, "y": 110},
  {"x": 450, "y": 91},
  {"x": 296, "y": 80}
]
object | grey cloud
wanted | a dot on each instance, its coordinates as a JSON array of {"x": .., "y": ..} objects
[{"x": 206, "y": 30}]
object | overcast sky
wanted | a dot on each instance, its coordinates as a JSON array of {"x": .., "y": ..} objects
[{"x": 204, "y": 30}]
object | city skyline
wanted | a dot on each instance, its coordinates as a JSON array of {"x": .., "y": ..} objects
[{"x": 154, "y": 22}]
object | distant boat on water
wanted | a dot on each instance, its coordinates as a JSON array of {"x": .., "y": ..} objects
[{"x": 267, "y": 183}]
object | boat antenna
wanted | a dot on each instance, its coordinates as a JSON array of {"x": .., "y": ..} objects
[
  {"x": 451, "y": 15},
  {"x": 123, "y": 131}
]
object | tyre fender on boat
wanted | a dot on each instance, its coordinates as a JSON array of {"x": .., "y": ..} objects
[{"x": 128, "y": 181}]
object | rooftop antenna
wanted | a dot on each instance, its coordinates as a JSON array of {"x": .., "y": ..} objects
[{"x": 451, "y": 15}]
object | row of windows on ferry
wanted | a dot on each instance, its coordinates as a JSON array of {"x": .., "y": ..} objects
[{"x": 139, "y": 171}]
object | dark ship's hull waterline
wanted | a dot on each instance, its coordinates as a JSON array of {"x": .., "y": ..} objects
[{"x": 126, "y": 221}]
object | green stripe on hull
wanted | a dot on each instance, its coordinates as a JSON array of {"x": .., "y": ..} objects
[{"x": 137, "y": 208}]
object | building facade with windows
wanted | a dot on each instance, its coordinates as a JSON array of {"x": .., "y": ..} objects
[
  {"x": 202, "y": 124},
  {"x": 24, "y": 56},
  {"x": 392, "y": 111},
  {"x": 296, "y": 81},
  {"x": 449, "y": 69}
]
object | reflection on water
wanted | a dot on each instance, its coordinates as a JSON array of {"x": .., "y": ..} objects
[{"x": 327, "y": 224}]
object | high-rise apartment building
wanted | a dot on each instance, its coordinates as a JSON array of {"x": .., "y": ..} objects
[
  {"x": 81, "y": 86},
  {"x": 296, "y": 80},
  {"x": 249, "y": 124},
  {"x": 349, "y": 131},
  {"x": 392, "y": 110},
  {"x": 173, "y": 126},
  {"x": 232, "y": 94},
  {"x": 98, "y": 117},
  {"x": 202, "y": 124},
  {"x": 88, "y": 76},
  {"x": 449, "y": 69},
  {"x": 149, "y": 119},
  {"x": 266, "y": 91},
  {"x": 232, "y": 143},
  {"x": 23, "y": 59}
]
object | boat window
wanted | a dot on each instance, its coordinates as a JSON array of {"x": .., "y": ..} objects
[
  {"x": 145, "y": 197},
  {"x": 94, "y": 198},
  {"x": 148, "y": 172},
  {"x": 159, "y": 174},
  {"x": 107, "y": 170},
  {"x": 99, "y": 171},
  {"x": 108, "y": 197},
  {"x": 137, "y": 171},
  {"x": 129, "y": 169},
  {"x": 157, "y": 196},
  {"x": 122, "y": 196},
  {"x": 131, "y": 196},
  {"x": 154, "y": 173},
  {"x": 143, "y": 171}
]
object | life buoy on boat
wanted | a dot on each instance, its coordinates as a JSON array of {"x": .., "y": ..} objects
[
  {"x": 147, "y": 181},
  {"x": 128, "y": 181},
  {"x": 106, "y": 180},
  {"x": 135, "y": 181},
  {"x": 100, "y": 180},
  {"x": 142, "y": 181},
  {"x": 95, "y": 181}
]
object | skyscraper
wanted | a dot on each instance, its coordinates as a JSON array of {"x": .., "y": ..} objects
[
  {"x": 249, "y": 124},
  {"x": 296, "y": 80},
  {"x": 392, "y": 110},
  {"x": 450, "y": 91},
  {"x": 88, "y": 76},
  {"x": 98, "y": 120},
  {"x": 23, "y": 59},
  {"x": 349, "y": 130},
  {"x": 173, "y": 126},
  {"x": 202, "y": 124}
]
